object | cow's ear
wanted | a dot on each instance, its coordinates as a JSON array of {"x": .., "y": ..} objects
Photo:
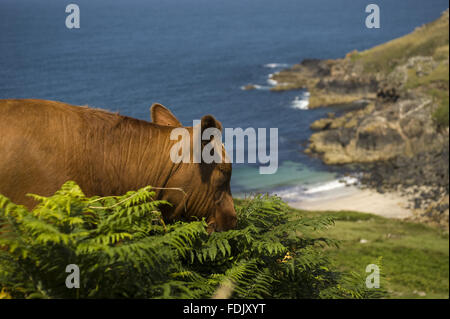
[
  {"x": 208, "y": 121},
  {"x": 162, "y": 116}
]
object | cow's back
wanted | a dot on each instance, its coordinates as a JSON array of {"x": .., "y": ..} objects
[{"x": 44, "y": 143}]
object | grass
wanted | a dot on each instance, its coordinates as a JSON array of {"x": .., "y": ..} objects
[
  {"x": 436, "y": 84},
  {"x": 437, "y": 77},
  {"x": 415, "y": 257},
  {"x": 441, "y": 114},
  {"x": 431, "y": 39}
]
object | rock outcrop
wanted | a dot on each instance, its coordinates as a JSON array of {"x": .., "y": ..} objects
[
  {"x": 330, "y": 82},
  {"x": 398, "y": 125},
  {"x": 379, "y": 132}
]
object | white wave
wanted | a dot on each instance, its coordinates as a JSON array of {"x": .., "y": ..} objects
[
  {"x": 276, "y": 65},
  {"x": 291, "y": 194},
  {"x": 256, "y": 87},
  {"x": 270, "y": 80},
  {"x": 316, "y": 191},
  {"x": 342, "y": 182},
  {"x": 300, "y": 103}
]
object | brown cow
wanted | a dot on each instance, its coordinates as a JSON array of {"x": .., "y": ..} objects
[{"x": 44, "y": 144}]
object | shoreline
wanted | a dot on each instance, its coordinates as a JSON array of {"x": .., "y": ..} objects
[
  {"x": 400, "y": 136},
  {"x": 353, "y": 198}
]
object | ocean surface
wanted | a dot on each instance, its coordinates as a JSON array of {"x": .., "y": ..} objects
[{"x": 194, "y": 56}]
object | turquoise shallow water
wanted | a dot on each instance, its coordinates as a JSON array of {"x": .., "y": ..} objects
[
  {"x": 289, "y": 174},
  {"x": 194, "y": 56}
]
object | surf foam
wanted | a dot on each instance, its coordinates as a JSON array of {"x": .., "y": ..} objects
[
  {"x": 342, "y": 182},
  {"x": 271, "y": 81},
  {"x": 315, "y": 191},
  {"x": 301, "y": 102},
  {"x": 256, "y": 87},
  {"x": 276, "y": 65}
]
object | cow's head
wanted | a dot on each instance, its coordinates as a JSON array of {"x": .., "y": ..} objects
[{"x": 206, "y": 186}]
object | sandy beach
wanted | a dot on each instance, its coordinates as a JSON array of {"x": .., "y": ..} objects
[{"x": 390, "y": 205}]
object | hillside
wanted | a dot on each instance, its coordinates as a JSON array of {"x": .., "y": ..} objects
[
  {"x": 125, "y": 250},
  {"x": 413, "y": 257},
  {"x": 394, "y": 125},
  {"x": 416, "y": 61}
]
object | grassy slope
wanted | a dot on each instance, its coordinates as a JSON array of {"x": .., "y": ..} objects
[
  {"x": 432, "y": 40},
  {"x": 415, "y": 257}
]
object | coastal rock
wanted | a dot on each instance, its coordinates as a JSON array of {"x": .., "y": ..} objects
[
  {"x": 422, "y": 178},
  {"x": 321, "y": 124},
  {"x": 249, "y": 87},
  {"x": 436, "y": 213},
  {"x": 330, "y": 82},
  {"x": 399, "y": 138},
  {"x": 378, "y": 132}
]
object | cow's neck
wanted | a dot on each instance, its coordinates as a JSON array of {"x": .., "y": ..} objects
[{"x": 136, "y": 155}]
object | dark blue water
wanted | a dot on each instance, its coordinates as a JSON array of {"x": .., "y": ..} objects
[{"x": 193, "y": 56}]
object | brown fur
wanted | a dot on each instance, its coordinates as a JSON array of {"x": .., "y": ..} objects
[{"x": 44, "y": 144}]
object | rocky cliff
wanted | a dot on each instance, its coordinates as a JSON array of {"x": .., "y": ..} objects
[{"x": 399, "y": 120}]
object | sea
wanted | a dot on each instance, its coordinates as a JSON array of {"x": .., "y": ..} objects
[{"x": 195, "y": 57}]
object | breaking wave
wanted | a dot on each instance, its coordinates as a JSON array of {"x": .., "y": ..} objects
[
  {"x": 276, "y": 65},
  {"x": 301, "y": 102},
  {"x": 271, "y": 81},
  {"x": 342, "y": 182},
  {"x": 256, "y": 87},
  {"x": 302, "y": 192}
]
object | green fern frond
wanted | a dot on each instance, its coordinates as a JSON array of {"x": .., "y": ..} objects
[{"x": 124, "y": 249}]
